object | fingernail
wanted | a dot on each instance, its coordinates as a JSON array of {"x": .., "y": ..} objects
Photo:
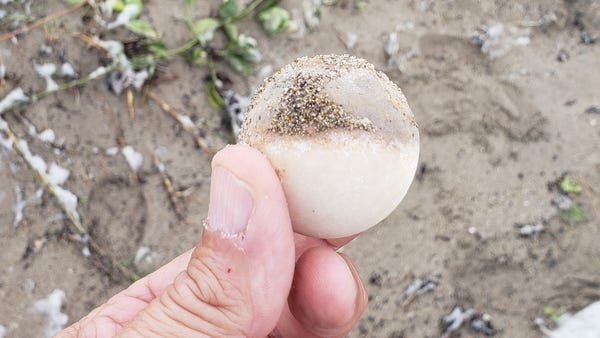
[{"x": 230, "y": 203}]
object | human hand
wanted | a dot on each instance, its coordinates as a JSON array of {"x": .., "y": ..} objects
[{"x": 249, "y": 275}]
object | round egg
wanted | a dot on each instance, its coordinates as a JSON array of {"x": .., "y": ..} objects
[{"x": 342, "y": 139}]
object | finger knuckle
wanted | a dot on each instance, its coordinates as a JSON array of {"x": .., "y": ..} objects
[{"x": 212, "y": 301}]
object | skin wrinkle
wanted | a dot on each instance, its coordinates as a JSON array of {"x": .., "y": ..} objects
[
  {"x": 207, "y": 317},
  {"x": 95, "y": 326},
  {"x": 90, "y": 334},
  {"x": 200, "y": 292},
  {"x": 97, "y": 322},
  {"x": 115, "y": 302},
  {"x": 233, "y": 309},
  {"x": 89, "y": 322},
  {"x": 150, "y": 290},
  {"x": 175, "y": 316},
  {"x": 94, "y": 320},
  {"x": 216, "y": 313},
  {"x": 140, "y": 334},
  {"x": 150, "y": 329},
  {"x": 204, "y": 281},
  {"x": 113, "y": 321},
  {"x": 212, "y": 289},
  {"x": 113, "y": 316},
  {"x": 147, "y": 323}
]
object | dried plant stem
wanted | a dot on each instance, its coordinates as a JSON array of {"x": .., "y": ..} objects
[
  {"x": 546, "y": 332},
  {"x": 169, "y": 187},
  {"x": 65, "y": 86},
  {"x": 115, "y": 271},
  {"x": 200, "y": 141},
  {"x": 130, "y": 106},
  {"x": 42, "y": 21},
  {"x": 90, "y": 40},
  {"x": 120, "y": 135},
  {"x": 72, "y": 84},
  {"x": 95, "y": 43},
  {"x": 408, "y": 300},
  {"x": 42, "y": 178}
]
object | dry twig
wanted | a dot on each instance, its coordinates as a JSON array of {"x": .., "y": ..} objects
[
  {"x": 42, "y": 21},
  {"x": 192, "y": 130},
  {"x": 116, "y": 126},
  {"x": 169, "y": 187},
  {"x": 130, "y": 104},
  {"x": 73, "y": 218},
  {"x": 114, "y": 270},
  {"x": 90, "y": 40}
]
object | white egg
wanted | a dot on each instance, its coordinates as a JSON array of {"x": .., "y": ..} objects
[{"x": 342, "y": 139}]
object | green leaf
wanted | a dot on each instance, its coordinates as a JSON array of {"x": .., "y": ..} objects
[
  {"x": 129, "y": 10},
  {"x": 569, "y": 185},
  {"x": 239, "y": 64},
  {"x": 228, "y": 9},
  {"x": 199, "y": 57},
  {"x": 143, "y": 28},
  {"x": 118, "y": 5},
  {"x": 158, "y": 48},
  {"x": 137, "y": 4},
  {"x": 551, "y": 314},
  {"x": 312, "y": 14},
  {"x": 142, "y": 62},
  {"x": 214, "y": 98},
  {"x": 231, "y": 30},
  {"x": 245, "y": 49},
  {"x": 573, "y": 215},
  {"x": 361, "y": 4},
  {"x": 204, "y": 30},
  {"x": 274, "y": 19},
  {"x": 74, "y": 2}
]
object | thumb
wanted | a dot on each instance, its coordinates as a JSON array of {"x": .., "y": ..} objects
[{"x": 240, "y": 273}]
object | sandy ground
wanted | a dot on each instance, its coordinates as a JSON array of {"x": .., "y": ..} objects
[{"x": 496, "y": 132}]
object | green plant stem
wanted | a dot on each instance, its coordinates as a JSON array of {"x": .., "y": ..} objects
[
  {"x": 212, "y": 69},
  {"x": 71, "y": 84},
  {"x": 38, "y": 96},
  {"x": 247, "y": 10},
  {"x": 181, "y": 49},
  {"x": 220, "y": 52},
  {"x": 42, "y": 21}
]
